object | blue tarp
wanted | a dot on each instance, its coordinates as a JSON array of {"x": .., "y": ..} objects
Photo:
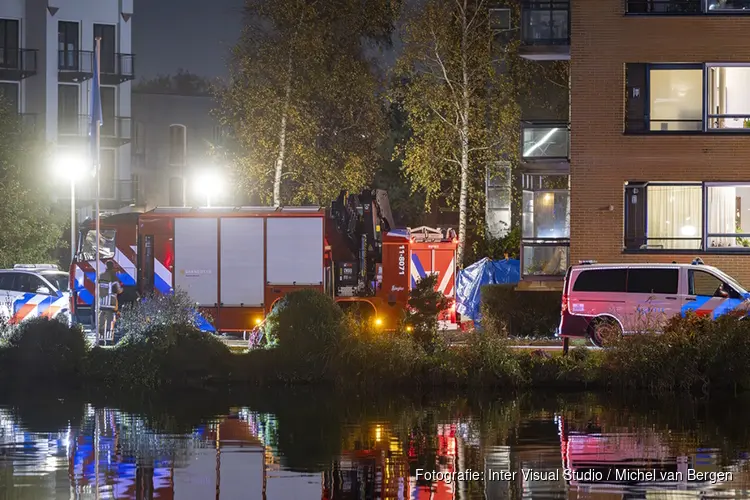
[{"x": 473, "y": 278}]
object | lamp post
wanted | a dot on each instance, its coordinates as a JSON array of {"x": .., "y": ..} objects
[
  {"x": 209, "y": 184},
  {"x": 70, "y": 168}
]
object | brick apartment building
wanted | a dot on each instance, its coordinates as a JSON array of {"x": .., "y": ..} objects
[
  {"x": 660, "y": 116},
  {"x": 660, "y": 124}
]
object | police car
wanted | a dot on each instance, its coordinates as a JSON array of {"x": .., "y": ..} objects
[{"x": 31, "y": 290}]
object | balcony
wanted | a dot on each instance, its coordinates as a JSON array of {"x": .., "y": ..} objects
[
  {"x": 115, "y": 131},
  {"x": 75, "y": 66},
  {"x": 687, "y": 7},
  {"x": 545, "y": 145},
  {"x": 17, "y": 64},
  {"x": 545, "y": 232},
  {"x": 545, "y": 30},
  {"x": 117, "y": 68}
]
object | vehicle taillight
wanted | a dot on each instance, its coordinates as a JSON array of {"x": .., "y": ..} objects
[{"x": 564, "y": 303}]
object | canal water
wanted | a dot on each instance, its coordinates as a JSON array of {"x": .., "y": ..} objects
[{"x": 318, "y": 445}]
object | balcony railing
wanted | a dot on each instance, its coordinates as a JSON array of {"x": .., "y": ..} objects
[
  {"x": 117, "y": 68},
  {"x": 687, "y": 7},
  {"x": 78, "y": 65},
  {"x": 545, "y": 22},
  {"x": 545, "y": 258},
  {"x": 545, "y": 141},
  {"x": 114, "y": 129},
  {"x": 17, "y": 64},
  {"x": 75, "y": 65}
]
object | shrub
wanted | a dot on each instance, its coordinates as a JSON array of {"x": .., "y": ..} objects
[
  {"x": 164, "y": 355},
  {"x": 139, "y": 318},
  {"x": 42, "y": 349},
  {"x": 506, "y": 311},
  {"x": 309, "y": 328},
  {"x": 425, "y": 303},
  {"x": 692, "y": 353},
  {"x": 489, "y": 360}
]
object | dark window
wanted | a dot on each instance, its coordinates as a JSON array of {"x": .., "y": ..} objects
[
  {"x": 67, "y": 109},
  {"x": 9, "y": 56},
  {"x": 107, "y": 181},
  {"x": 67, "y": 45},
  {"x": 58, "y": 280},
  {"x": 177, "y": 144},
  {"x": 666, "y": 7},
  {"x": 176, "y": 192},
  {"x": 6, "y": 282},
  {"x": 28, "y": 283},
  {"x": 653, "y": 280},
  {"x": 9, "y": 95},
  {"x": 601, "y": 280},
  {"x": 108, "y": 128},
  {"x": 108, "y": 48}
]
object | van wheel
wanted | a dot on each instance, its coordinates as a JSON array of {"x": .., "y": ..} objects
[{"x": 603, "y": 330}]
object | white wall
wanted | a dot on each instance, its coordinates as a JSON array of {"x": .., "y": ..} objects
[{"x": 38, "y": 93}]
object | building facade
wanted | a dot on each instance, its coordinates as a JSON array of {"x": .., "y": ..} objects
[
  {"x": 176, "y": 144},
  {"x": 46, "y": 70},
  {"x": 659, "y": 117},
  {"x": 545, "y": 153},
  {"x": 660, "y": 121}
]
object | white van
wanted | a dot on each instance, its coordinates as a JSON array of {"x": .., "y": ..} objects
[{"x": 632, "y": 298}]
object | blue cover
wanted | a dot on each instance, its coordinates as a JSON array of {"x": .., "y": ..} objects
[{"x": 485, "y": 272}]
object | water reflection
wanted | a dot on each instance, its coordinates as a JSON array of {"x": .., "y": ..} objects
[{"x": 323, "y": 446}]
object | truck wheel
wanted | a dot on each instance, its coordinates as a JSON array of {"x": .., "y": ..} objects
[{"x": 604, "y": 330}]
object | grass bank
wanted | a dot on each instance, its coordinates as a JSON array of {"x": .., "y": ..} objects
[{"x": 314, "y": 343}]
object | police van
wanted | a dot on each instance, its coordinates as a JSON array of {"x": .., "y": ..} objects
[
  {"x": 32, "y": 290},
  {"x": 601, "y": 299}
]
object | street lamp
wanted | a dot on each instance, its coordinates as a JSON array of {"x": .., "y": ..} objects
[
  {"x": 209, "y": 184},
  {"x": 71, "y": 167}
]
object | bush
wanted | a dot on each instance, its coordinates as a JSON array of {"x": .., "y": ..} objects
[
  {"x": 139, "y": 318},
  {"x": 506, "y": 311},
  {"x": 42, "y": 349},
  {"x": 309, "y": 328},
  {"x": 164, "y": 355},
  {"x": 692, "y": 353}
]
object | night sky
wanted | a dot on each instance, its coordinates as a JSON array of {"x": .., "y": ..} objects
[{"x": 195, "y": 35}]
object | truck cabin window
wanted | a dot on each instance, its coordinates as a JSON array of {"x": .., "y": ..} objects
[{"x": 106, "y": 244}]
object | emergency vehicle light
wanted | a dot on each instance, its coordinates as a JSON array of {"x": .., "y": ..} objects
[
  {"x": 698, "y": 262},
  {"x": 587, "y": 262},
  {"x": 36, "y": 266}
]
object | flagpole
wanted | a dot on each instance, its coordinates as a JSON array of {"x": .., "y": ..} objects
[{"x": 97, "y": 172}]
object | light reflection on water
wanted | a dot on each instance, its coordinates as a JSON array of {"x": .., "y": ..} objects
[{"x": 336, "y": 449}]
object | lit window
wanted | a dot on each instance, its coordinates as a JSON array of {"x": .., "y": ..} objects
[
  {"x": 664, "y": 216},
  {"x": 676, "y": 99},
  {"x": 728, "y": 97},
  {"x": 728, "y": 214}
]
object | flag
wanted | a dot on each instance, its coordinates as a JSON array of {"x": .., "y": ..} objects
[{"x": 96, "y": 117}]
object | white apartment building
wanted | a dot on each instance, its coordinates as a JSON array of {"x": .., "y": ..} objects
[{"x": 46, "y": 70}]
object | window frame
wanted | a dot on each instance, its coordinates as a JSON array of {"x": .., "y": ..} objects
[
  {"x": 704, "y": 234},
  {"x": 702, "y": 10},
  {"x": 173, "y": 150},
  {"x": 645, "y": 236},
  {"x": 674, "y": 67},
  {"x": 705, "y": 115}
]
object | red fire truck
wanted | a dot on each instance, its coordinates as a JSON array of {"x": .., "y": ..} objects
[{"x": 235, "y": 263}]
